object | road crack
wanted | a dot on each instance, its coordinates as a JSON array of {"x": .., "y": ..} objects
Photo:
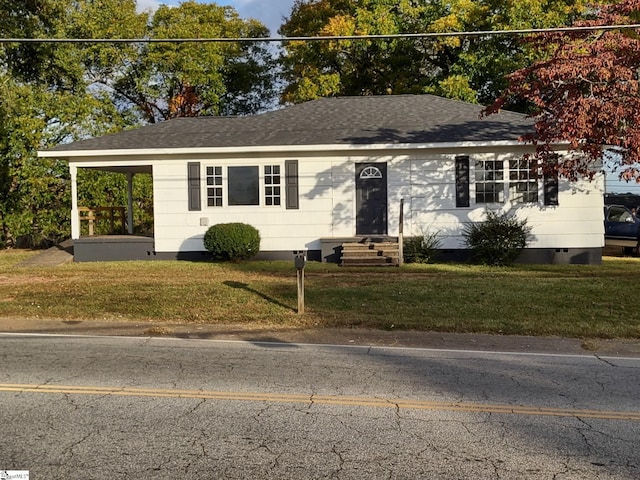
[{"x": 603, "y": 360}]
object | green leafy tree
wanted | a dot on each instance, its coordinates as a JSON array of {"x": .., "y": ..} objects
[
  {"x": 187, "y": 79},
  {"x": 344, "y": 67},
  {"x": 33, "y": 61},
  {"x": 34, "y": 193},
  {"x": 467, "y": 68},
  {"x": 47, "y": 97},
  {"x": 52, "y": 93},
  {"x": 480, "y": 63}
]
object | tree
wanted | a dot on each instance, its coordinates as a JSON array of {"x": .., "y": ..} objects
[
  {"x": 154, "y": 81},
  {"x": 53, "y": 93},
  {"x": 187, "y": 79},
  {"x": 34, "y": 193},
  {"x": 315, "y": 69},
  {"x": 32, "y": 19},
  {"x": 478, "y": 64},
  {"x": 586, "y": 94},
  {"x": 466, "y": 68}
]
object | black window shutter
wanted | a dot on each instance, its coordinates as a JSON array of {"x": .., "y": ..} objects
[
  {"x": 193, "y": 173},
  {"x": 291, "y": 184},
  {"x": 462, "y": 181},
  {"x": 551, "y": 189}
]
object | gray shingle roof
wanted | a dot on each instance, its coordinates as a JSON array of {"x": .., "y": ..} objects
[{"x": 388, "y": 119}]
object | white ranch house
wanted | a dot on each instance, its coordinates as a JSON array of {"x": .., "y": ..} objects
[{"x": 315, "y": 175}]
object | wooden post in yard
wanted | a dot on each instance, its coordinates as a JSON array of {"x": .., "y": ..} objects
[
  {"x": 300, "y": 290},
  {"x": 300, "y": 261},
  {"x": 401, "y": 234}
]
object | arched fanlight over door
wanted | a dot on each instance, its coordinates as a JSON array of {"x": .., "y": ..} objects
[
  {"x": 371, "y": 172},
  {"x": 371, "y": 198}
]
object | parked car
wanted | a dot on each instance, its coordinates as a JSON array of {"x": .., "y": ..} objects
[{"x": 621, "y": 228}]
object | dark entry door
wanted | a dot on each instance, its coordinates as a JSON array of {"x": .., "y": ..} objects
[{"x": 371, "y": 198}]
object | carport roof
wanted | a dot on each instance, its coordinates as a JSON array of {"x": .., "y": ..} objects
[{"x": 363, "y": 120}]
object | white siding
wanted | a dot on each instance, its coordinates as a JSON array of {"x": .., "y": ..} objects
[
  {"x": 424, "y": 178},
  {"x": 177, "y": 229},
  {"x": 575, "y": 223}
]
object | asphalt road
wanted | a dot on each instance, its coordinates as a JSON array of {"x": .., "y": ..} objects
[{"x": 146, "y": 408}]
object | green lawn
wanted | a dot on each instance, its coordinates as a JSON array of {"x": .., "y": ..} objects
[{"x": 568, "y": 300}]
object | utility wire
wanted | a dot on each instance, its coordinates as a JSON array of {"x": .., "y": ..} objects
[{"x": 635, "y": 26}]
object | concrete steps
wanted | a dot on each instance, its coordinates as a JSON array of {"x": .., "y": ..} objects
[{"x": 370, "y": 254}]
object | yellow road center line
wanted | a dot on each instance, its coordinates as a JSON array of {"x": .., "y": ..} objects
[{"x": 324, "y": 400}]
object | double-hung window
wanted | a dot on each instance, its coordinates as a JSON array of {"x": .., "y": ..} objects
[
  {"x": 523, "y": 181},
  {"x": 489, "y": 176},
  {"x": 272, "y": 192},
  {"x": 214, "y": 186},
  {"x": 498, "y": 180}
]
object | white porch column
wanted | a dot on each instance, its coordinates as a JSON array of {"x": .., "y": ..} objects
[
  {"x": 130, "y": 203},
  {"x": 75, "y": 217}
]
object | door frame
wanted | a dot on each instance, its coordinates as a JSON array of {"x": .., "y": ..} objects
[{"x": 376, "y": 221}]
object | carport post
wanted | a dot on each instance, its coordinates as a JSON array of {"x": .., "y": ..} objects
[
  {"x": 401, "y": 234},
  {"x": 75, "y": 216},
  {"x": 130, "y": 203}
]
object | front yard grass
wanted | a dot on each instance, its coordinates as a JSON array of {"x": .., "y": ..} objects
[{"x": 566, "y": 300}]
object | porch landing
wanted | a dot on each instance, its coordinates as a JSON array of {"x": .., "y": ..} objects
[{"x": 109, "y": 248}]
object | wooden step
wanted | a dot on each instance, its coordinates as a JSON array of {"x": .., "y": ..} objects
[
  {"x": 369, "y": 245},
  {"x": 370, "y": 254},
  {"x": 383, "y": 262}
]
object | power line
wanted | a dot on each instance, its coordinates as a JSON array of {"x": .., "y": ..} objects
[{"x": 479, "y": 33}]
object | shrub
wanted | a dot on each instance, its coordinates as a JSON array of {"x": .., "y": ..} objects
[
  {"x": 498, "y": 240},
  {"x": 422, "y": 248},
  {"x": 232, "y": 241}
]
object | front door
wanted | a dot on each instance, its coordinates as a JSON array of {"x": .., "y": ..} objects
[{"x": 371, "y": 198}]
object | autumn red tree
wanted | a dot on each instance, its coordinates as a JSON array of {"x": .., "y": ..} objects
[{"x": 586, "y": 94}]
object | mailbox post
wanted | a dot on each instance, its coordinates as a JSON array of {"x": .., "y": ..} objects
[{"x": 300, "y": 260}]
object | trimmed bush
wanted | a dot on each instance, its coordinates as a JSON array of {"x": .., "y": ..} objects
[
  {"x": 232, "y": 241},
  {"x": 422, "y": 248},
  {"x": 498, "y": 240}
]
